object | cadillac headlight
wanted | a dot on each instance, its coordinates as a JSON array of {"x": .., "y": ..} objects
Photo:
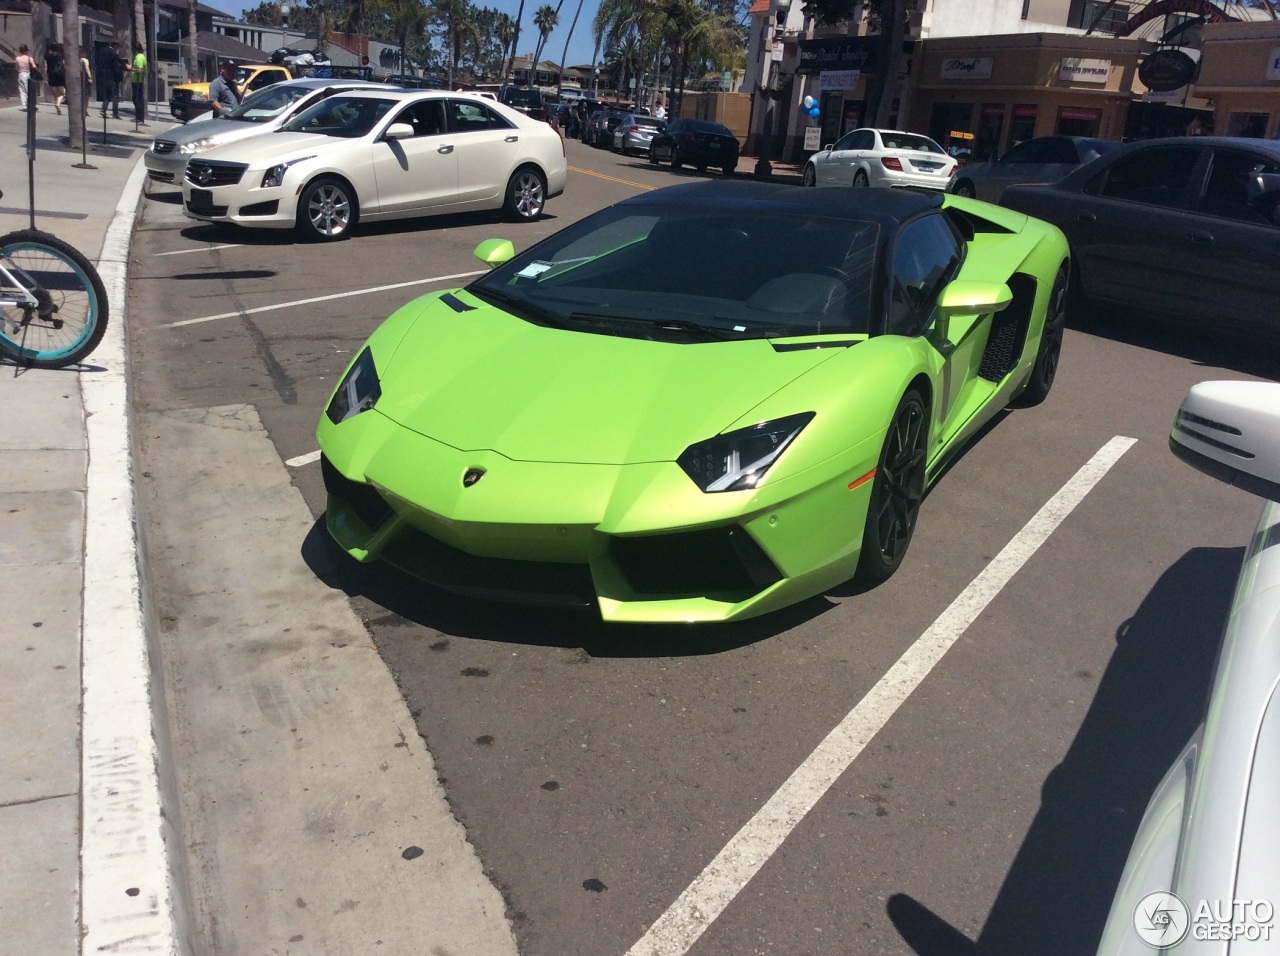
[
  {"x": 196, "y": 145},
  {"x": 740, "y": 459},
  {"x": 358, "y": 392},
  {"x": 275, "y": 175}
]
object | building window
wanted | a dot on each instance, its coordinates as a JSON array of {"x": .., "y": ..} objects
[
  {"x": 1113, "y": 16},
  {"x": 1248, "y": 124},
  {"x": 1023, "y": 125}
]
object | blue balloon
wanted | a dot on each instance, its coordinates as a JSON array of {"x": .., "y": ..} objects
[{"x": 815, "y": 112}]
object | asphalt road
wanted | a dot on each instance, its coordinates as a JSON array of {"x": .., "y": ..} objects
[{"x": 599, "y": 770}]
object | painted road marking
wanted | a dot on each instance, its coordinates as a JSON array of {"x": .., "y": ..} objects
[
  {"x": 676, "y": 930},
  {"x": 612, "y": 179},
  {"x": 183, "y": 252},
  {"x": 320, "y": 298},
  {"x": 301, "y": 460}
]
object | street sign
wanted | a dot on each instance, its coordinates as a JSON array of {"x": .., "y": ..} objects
[{"x": 776, "y": 54}]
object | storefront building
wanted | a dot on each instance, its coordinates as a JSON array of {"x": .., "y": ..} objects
[
  {"x": 1240, "y": 76},
  {"x": 978, "y": 96}
]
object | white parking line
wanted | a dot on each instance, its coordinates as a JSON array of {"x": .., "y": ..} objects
[
  {"x": 320, "y": 298},
  {"x": 301, "y": 460},
  {"x": 183, "y": 252},
  {"x": 724, "y": 877}
]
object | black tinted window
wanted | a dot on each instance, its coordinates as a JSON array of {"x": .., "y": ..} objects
[
  {"x": 925, "y": 258},
  {"x": 1160, "y": 176},
  {"x": 468, "y": 116},
  {"x": 1234, "y": 184},
  {"x": 1061, "y": 151}
]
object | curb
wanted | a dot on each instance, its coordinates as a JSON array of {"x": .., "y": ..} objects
[{"x": 130, "y": 895}]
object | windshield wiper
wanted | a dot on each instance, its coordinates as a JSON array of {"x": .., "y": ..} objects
[
  {"x": 665, "y": 324},
  {"x": 522, "y": 308}
]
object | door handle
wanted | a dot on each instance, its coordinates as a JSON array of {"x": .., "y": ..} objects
[
  {"x": 1201, "y": 238},
  {"x": 512, "y": 139},
  {"x": 446, "y": 148},
  {"x": 1086, "y": 216}
]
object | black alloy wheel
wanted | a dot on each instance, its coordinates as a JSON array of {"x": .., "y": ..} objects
[
  {"x": 896, "y": 491},
  {"x": 965, "y": 188},
  {"x": 1049, "y": 354}
]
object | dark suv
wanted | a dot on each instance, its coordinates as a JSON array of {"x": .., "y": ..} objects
[{"x": 525, "y": 100}]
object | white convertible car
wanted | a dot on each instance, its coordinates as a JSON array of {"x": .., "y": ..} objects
[
  {"x": 380, "y": 154},
  {"x": 1204, "y": 873}
]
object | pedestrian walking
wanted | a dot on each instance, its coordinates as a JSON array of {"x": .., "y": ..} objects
[
  {"x": 55, "y": 74},
  {"x": 138, "y": 81},
  {"x": 25, "y": 65},
  {"x": 224, "y": 95}
]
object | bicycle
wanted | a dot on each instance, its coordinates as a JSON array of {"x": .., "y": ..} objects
[{"x": 53, "y": 305}]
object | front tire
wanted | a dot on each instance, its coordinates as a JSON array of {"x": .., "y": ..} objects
[
  {"x": 327, "y": 210},
  {"x": 675, "y": 159},
  {"x": 1048, "y": 355},
  {"x": 810, "y": 177},
  {"x": 896, "y": 491},
  {"x": 965, "y": 188},
  {"x": 526, "y": 195}
]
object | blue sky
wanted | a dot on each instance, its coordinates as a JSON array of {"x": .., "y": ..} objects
[{"x": 579, "y": 49}]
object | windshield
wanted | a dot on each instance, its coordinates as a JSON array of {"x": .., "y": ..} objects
[
  {"x": 347, "y": 116},
  {"x": 911, "y": 141},
  {"x": 268, "y": 103},
  {"x": 700, "y": 273}
]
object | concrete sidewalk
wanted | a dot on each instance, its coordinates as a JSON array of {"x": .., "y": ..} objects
[{"x": 97, "y": 858}]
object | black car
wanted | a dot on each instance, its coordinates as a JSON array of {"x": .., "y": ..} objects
[
  {"x": 697, "y": 143},
  {"x": 600, "y": 129},
  {"x": 526, "y": 100},
  {"x": 1187, "y": 226}
]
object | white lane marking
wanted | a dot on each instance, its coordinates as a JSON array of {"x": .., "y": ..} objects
[
  {"x": 301, "y": 460},
  {"x": 676, "y": 930},
  {"x": 320, "y": 298},
  {"x": 184, "y": 252}
]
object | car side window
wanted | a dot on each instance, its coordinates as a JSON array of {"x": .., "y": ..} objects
[
  {"x": 473, "y": 117},
  {"x": 1027, "y": 152},
  {"x": 1234, "y": 183},
  {"x": 426, "y": 117},
  {"x": 926, "y": 257},
  {"x": 846, "y": 141},
  {"x": 1160, "y": 176},
  {"x": 864, "y": 139},
  {"x": 1060, "y": 151}
]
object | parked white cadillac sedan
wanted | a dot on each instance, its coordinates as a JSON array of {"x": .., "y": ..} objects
[
  {"x": 880, "y": 157},
  {"x": 375, "y": 155}
]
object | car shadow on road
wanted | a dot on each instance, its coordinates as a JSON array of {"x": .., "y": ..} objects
[
  {"x": 405, "y": 599},
  {"x": 1150, "y": 700},
  {"x": 1240, "y": 351},
  {"x": 227, "y": 232}
]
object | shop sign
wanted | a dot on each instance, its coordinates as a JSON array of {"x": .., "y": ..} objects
[
  {"x": 1078, "y": 113},
  {"x": 1077, "y": 69},
  {"x": 838, "y": 79},
  {"x": 1273, "y": 65},
  {"x": 837, "y": 54},
  {"x": 812, "y": 138},
  {"x": 1166, "y": 70},
  {"x": 966, "y": 68}
]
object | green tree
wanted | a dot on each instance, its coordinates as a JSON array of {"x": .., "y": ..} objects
[
  {"x": 545, "y": 19},
  {"x": 408, "y": 23}
]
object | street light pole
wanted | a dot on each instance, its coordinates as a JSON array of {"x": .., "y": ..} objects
[
  {"x": 284, "y": 25},
  {"x": 768, "y": 85}
]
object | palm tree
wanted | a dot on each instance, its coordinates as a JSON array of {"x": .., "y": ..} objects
[
  {"x": 460, "y": 29},
  {"x": 408, "y": 18},
  {"x": 505, "y": 28},
  {"x": 76, "y": 91},
  {"x": 545, "y": 20},
  {"x": 565, "y": 53},
  {"x": 193, "y": 47},
  {"x": 515, "y": 43}
]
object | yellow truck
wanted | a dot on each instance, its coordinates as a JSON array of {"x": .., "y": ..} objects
[{"x": 190, "y": 100}]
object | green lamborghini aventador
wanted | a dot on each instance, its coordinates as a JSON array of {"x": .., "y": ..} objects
[{"x": 700, "y": 404}]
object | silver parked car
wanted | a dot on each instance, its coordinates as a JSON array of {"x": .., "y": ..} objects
[
  {"x": 262, "y": 111},
  {"x": 1204, "y": 872},
  {"x": 1045, "y": 159},
  {"x": 634, "y": 133}
]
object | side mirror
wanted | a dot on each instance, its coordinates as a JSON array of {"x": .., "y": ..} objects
[
  {"x": 1231, "y": 431},
  {"x": 968, "y": 297},
  {"x": 494, "y": 252},
  {"x": 829, "y": 147},
  {"x": 398, "y": 131}
]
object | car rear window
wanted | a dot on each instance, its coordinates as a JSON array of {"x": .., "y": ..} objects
[
  {"x": 522, "y": 97},
  {"x": 910, "y": 141}
]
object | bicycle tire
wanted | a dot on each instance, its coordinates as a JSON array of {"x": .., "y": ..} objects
[{"x": 78, "y": 318}]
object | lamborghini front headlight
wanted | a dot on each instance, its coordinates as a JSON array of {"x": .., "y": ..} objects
[
  {"x": 358, "y": 392},
  {"x": 740, "y": 459}
]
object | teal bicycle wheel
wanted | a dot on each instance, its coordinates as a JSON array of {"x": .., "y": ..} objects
[{"x": 70, "y": 317}]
